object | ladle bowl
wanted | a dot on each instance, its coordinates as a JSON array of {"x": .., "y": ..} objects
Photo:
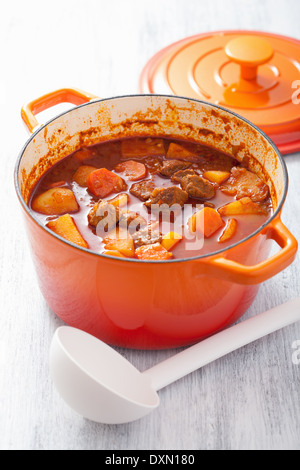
[{"x": 102, "y": 386}]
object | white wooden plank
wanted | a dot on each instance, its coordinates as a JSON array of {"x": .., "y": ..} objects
[{"x": 248, "y": 400}]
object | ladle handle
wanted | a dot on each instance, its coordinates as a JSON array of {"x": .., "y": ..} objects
[{"x": 223, "y": 343}]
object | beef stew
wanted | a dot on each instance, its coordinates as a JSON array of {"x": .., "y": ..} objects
[{"x": 151, "y": 199}]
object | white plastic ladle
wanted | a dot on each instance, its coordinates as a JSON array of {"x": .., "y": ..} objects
[{"x": 101, "y": 385}]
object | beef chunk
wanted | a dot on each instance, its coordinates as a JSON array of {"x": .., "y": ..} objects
[
  {"x": 104, "y": 216},
  {"x": 170, "y": 196},
  {"x": 244, "y": 183},
  {"x": 131, "y": 220},
  {"x": 154, "y": 164},
  {"x": 142, "y": 190},
  {"x": 147, "y": 236},
  {"x": 179, "y": 175},
  {"x": 172, "y": 166},
  {"x": 217, "y": 162},
  {"x": 198, "y": 187}
]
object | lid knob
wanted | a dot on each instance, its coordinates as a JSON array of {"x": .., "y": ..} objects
[{"x": 249, "y": 52}]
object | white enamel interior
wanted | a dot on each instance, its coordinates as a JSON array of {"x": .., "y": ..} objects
[{"x": 152, "y": 115}]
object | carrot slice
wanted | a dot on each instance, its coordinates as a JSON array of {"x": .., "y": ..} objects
[
  {"x": 65, "y": 227},
  {"x": 55, "y": 201},
  {"x": 229, "y": 230},
  {"x": 55, "y": 184},
  {"x": 155, "y": 252},
  {"x": 206, "y": 222},
  {"x": 103, "y": 182},
  {"x": 132, "y": 170}
]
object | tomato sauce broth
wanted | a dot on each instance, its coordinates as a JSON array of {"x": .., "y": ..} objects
[{"x": 109, "y": 154}]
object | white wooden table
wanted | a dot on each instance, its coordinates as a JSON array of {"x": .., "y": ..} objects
[{"x": 247, "y": 400}]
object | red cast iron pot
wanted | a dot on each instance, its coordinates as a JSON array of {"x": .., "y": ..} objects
[{"x": 144, "y": 304}]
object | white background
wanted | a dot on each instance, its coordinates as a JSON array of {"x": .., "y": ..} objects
[{"x": 248, "y": 400}]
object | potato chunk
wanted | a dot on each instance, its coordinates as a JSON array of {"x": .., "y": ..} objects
[
  {"x": 229, "y": 231},
  {"x": 170, "y": 240},
  {"x": 241, "y": 207},
  {"x": 205, "y": 222},
  {"x": 178, "y": 152},
  {"x": 139, "y": 148},
  {"x": 216, "y": 176},
  {"x": 55, "y": 201},
  {"x": 80, "y": 176},
  {"x": 66, "y": 228},
  {"x": 124, "y": 245}
]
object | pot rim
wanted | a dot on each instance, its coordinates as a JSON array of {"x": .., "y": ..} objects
[{"x": 132, "y": 260}]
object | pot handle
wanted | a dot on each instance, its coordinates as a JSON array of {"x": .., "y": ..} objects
[
  {"x": 63, "y": 95},
  {"x": 249, "y": 275}
]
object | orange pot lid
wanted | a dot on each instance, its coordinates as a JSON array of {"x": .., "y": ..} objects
[{"x": 254, "y": 74}]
